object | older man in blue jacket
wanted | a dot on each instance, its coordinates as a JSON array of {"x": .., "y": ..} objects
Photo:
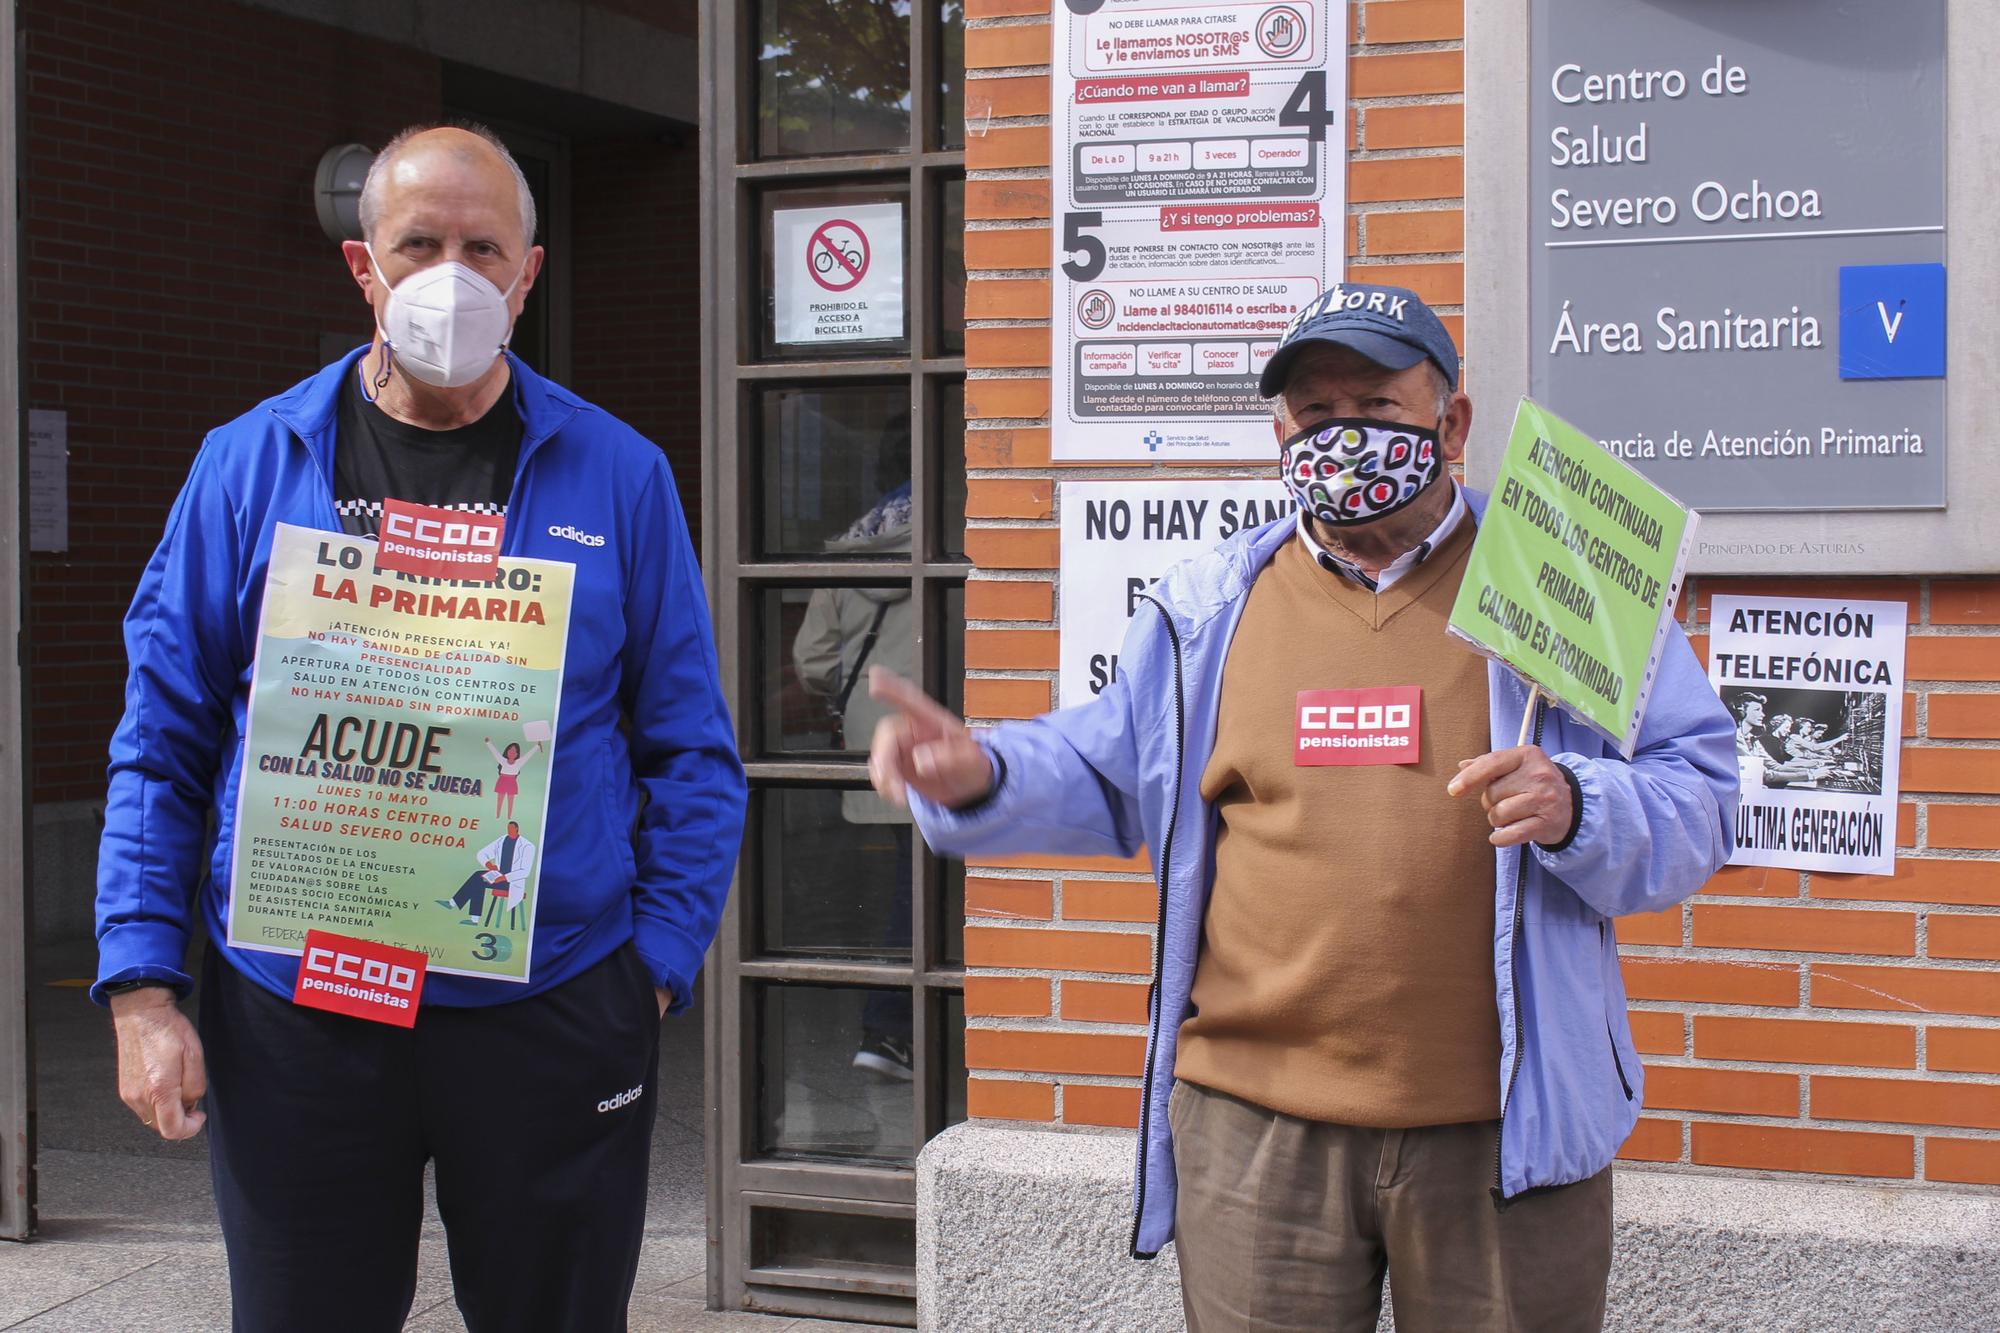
[
  {"x": 535, "y": 1099},
  {"x": 1388, "y": 1030}
]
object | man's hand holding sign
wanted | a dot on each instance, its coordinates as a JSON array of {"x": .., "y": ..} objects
[{"x": 1524, "y": 793}]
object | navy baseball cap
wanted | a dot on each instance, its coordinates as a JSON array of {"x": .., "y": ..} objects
[{"x": 1391, "y": 326}]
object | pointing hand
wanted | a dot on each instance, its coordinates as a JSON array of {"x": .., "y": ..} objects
[{"x": 922, "y": 747}]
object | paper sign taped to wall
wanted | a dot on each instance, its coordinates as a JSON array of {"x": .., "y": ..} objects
[{"x": 1816, "y": 688}]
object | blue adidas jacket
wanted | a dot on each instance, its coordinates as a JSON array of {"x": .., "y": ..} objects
[
  {"x": 1124, "y": 770},
  {"x": 639, "y": 646}
]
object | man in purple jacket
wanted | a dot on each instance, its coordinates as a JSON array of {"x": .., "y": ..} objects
[{"x": 1388, "y": 1032}]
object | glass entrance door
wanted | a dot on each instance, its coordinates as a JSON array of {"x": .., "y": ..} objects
[{"x": 834, "y": 521}]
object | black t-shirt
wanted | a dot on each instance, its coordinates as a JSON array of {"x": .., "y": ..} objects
[{"x": 469, "y": 467}]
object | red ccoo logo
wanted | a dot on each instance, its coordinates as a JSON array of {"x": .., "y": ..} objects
[
  {"x": 1371, "y": 726},
  {"x": 439, "y": 543},
  {"x": 360, "y": 978}
]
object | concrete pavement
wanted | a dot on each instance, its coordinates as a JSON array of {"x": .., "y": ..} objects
[{"x": 128, "y": 1231}]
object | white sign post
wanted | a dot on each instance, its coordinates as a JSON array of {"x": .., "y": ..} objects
[
  {"x": 1816, "y": 688},
  {"x": 838, "y": 273},
  {"x": 1117, "y": 537},
  {"x": 1199, "y": 186}
]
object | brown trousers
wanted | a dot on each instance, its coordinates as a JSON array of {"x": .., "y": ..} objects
[{"x": 1287, "y": 1224}]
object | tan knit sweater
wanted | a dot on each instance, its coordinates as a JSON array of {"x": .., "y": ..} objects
[{"x": 1346, "y": 972}]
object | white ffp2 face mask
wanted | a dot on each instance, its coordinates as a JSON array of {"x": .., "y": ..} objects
[{"x": 445, "y": 324}]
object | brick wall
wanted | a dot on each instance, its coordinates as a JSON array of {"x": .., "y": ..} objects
[
  {"x": 174, "y": 275},
  {"x": 1846, "y": 1024},
  {"x": 1824, "y": 1024}
]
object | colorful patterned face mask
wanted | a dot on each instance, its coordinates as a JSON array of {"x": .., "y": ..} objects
[{"x": 1349, "y": 470}]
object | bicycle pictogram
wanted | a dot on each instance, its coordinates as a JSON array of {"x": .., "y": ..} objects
[{"x": 837, "y": 255}]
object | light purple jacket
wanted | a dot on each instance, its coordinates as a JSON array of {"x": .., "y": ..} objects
[{"x": 1123, "y": 770}]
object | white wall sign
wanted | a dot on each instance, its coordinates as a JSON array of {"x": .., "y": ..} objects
[
  {"x": 838, "y": 273},
  {"x": 1200, "y": 198},
  {"x": 48, "y": 480},
  {"x": 1845, "y": 103},
  {"x": 1117, "y": 537},
  {"x": 1816, "y": 688}
]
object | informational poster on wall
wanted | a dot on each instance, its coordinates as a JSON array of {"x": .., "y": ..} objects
[
  {"x": 1816, "y": 688},
  {"x": 1119, "y": 536},
  {"x": 837, "y": 274},
  {"x": 396, "y": 766},
  {"x": 1736, "y": 217},
  {"x": 1200, "y": 196}
]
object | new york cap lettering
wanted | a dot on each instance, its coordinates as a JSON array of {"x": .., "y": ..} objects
[{"x": 1390, "y": 326}]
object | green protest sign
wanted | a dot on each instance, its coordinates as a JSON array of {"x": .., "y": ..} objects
[{"x": 1574, "y": 574}]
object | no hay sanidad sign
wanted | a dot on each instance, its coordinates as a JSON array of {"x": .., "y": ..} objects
[{"x": 1575, "y": 572}]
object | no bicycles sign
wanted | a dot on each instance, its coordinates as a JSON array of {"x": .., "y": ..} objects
[
  {"x": 837, "y": 255},
  {"x": 838, "y": 274}
]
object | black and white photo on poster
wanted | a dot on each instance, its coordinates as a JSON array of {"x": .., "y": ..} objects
[
  {"x": 1816, "y": 690},
  {"x": 1821, "y": 740}
]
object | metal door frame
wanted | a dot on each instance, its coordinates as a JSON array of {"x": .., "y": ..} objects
[
  {"x": 17, "y": 1121},
  {"x": 731, "y": 179}
]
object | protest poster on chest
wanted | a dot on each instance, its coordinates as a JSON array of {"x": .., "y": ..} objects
[{"x": 396, "y": 766}]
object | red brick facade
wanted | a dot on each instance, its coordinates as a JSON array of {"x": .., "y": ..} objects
[{"x": 1825, "y": 1024}]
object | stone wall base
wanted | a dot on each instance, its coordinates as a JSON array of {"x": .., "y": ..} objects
[{"x": 1028, "y": 1229}]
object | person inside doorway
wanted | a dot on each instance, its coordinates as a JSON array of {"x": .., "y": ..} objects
[
  {"x": 846, "y": 631},
  {"x": 1388, "y": 1033}
]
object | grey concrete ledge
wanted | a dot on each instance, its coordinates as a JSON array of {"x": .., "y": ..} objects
[
  {"x": 1020, "y": 1229},
  {"x": 1029, "y": 1229}
]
